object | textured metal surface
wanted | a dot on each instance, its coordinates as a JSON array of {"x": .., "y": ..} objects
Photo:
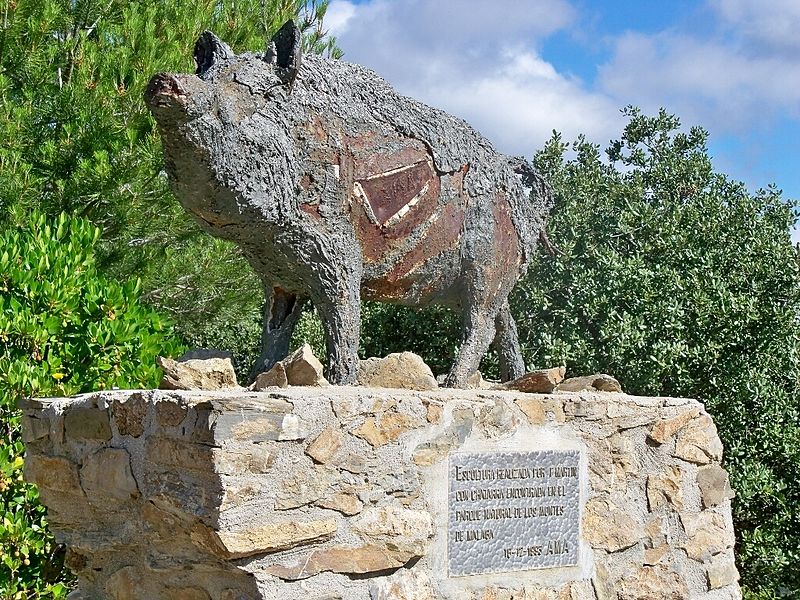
[
  {"x": 513, "y": 511},
  {"x": 393, "y": 194}
]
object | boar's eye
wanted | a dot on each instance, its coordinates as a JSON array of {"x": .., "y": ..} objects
[{"x": 209, "y": 49}]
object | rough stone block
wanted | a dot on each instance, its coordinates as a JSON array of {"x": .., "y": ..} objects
[
  {"x": 178, "y": 453},
  {"x": 34, "y": 428},
  {"x": 543, "y": 381},
  {"x": 404, "y": 370},
  {"x": 599, "y": 382},
  {"x": 325, "y": 445},
  {"x": 721, "y": 571},
  {"x": 263, "y": 539},
  {"x": 129, "y": 415},
  {"x": 275, "y": 377},
  {"x": 657, "y": 583},
  {"x": 534, "y": 409},
  {"x": 87, "y": 424},
  {"x": 304, "y": 487},
  {"x": 53, "y": 472},
  {"x": 698, "y": 442},
  {"x": 354, "y": 561},
  {"x": 609, "y": 526},
  {"x": 170, "y": 413},
  {"x": 197, "y": 374},
  {"x": 403, "y": 585},
  {"x": 405, "y": 533},
  {"x": 106, "y": 474},
  {"x": 266, "y": 421},
  {"x": 708, "y": 534},
  {"x": 251, "y": 459},
  {"x": 346, "y": 503},
  {"x": 303, "y": 368},
  {"x": 714, "y": 485},
  {"x": 665, "y": 488},
  {"x": 664, "y": 429},
  {"x": 385, "y": 428}
]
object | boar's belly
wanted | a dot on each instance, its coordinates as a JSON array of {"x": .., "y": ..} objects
[{"x": 391, "y": 210}]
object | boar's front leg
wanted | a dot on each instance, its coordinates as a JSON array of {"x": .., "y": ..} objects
[
  {"x": 338, "y": 301},
  {"x": 281, "y": 312}
]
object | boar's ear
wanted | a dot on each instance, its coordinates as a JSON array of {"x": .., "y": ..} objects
[
  {"x": 285, "y": 51},
  {"x": 207, "y": 50}
]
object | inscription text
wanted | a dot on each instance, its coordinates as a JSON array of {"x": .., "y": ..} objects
[{"x": 512, "y": 511}]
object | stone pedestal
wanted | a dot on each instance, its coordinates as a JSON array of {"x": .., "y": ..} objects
[{"x": 356, "y": 494}]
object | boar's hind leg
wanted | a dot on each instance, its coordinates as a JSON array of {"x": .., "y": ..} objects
[
  {"x": 506, "y": 342},
  {"x": 479, "y": 329},
  {"x": 281, "y": 312}
]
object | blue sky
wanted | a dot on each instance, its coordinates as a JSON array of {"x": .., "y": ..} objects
[{"x": 517, "y": 69}]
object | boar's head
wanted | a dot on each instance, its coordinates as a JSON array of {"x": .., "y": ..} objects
[
  {"x": 206, "y": 120},
  {"x": 176, "y": 99}
]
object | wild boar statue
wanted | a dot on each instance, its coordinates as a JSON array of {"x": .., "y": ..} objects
[{"x": 337, "y": 189}]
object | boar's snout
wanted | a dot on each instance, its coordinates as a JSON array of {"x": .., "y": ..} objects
[
  {"x": 164, "y": 90},
  {"x": 177, "y": 98}
]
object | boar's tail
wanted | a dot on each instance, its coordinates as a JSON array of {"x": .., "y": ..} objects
[
  {"x": 541, "y": 192},
  {"x": 535, "y": 208}
]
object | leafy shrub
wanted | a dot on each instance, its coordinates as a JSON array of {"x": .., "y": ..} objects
[
  {"x": 432, "y": 332},
  {"x": 64, "y": 329},
  {"x": 679, "y": 282}
]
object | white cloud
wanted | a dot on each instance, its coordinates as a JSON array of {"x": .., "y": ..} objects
[
  {"x": 519, "y": 104},
  {"x": 772, "y": 25},
  {"x": 338, "y": 15},
  {"x": 477, "y": 60},
  {"x": 736, "y": 76}
]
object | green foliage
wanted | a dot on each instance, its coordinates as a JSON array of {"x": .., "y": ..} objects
[
  {"x": 31, "y": 562},
  {"x": 76, "y": 136},
  {"x": 432, "y": 332},
  {"x": 64, "y": 329},
  {"x": 679, "y": 282},
  {"x": 309, "y": 331}
]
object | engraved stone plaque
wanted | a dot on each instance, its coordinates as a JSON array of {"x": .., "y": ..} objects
[{"x": 513, "y": 511}]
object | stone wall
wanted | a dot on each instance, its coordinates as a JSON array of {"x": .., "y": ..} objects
[{"x": 342, "y": 493}]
